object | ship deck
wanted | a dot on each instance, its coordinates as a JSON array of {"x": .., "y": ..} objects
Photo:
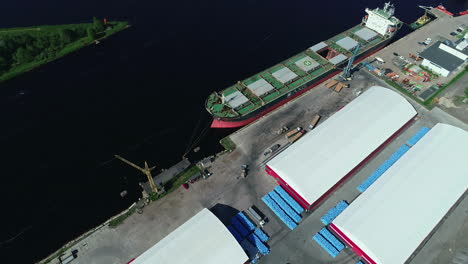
[{"x": 288, "y": 75}]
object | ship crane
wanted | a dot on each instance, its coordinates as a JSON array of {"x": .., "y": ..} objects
[
  {"x": 146, "y": 170},
  {"x": 347, "y": 71}
]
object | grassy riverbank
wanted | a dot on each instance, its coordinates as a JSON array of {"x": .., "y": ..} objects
[{"x": 24, "y": 49}]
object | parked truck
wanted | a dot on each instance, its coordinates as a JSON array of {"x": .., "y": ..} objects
[
  {"x": 314, "y": 121},
  {"x": 257, "y": 215},
  {"x": 296, "y": 137},
  {"x": 293, "y": 132}
]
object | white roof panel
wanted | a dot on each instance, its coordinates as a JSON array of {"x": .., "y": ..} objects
[
  {"x": 202, "y": 239},
  {"x": 338, "y": 59},
  {"x": 307, "y": 64},
  {"x": 323, "y": 156},
  {"x": 396, "y": 213},
  {"x": 284, "y": 75},
  {"x": 260, "y": 87},
  {"x": 318, "y": 46},
  {"x": 365, "y": 34},
  {"x": 462, "y": 45},
  {"x": 347, "y": 43},
  {"x": 235, "y": 99}
]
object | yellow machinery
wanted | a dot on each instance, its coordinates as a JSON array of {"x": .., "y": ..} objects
[
  {"x": 146, "y": 170},
  {"x": 423, "y": 20}
]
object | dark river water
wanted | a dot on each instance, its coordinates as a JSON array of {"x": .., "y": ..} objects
[{"x": 139, "y": 94}]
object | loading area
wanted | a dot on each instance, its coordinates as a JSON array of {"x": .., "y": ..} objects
[
  {"x": 419, "y": 61},
  {"x": 310, "y": 240}
]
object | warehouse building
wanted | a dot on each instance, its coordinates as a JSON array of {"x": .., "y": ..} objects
[
  {"x": 444, "y": 58},
  {"x": 316, "y": 164},
  {"x": 202, "y": 239},
  {"x": 392, "y": 218}
]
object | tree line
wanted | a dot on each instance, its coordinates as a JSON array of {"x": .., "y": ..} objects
[{"x": 26, "y": 46}]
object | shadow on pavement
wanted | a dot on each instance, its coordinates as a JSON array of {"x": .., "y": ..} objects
[{"x": 224, "y": 212}]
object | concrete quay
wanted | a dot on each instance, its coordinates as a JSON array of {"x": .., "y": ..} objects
[{"x": 225, "y": 191}]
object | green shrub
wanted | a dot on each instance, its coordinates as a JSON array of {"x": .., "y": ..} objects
[{"x": 228, "y": 144}]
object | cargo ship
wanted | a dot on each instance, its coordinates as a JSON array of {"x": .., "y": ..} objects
[{"x": 248, "y": 100}]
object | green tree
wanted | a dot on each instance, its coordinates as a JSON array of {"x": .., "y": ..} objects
[
  {"x": 98, "y": 24},
  {"x": 91, "y": 33},
  {"x": 3, "y": 64},
  {"x": 466, "y": 91},
  {"x": 23, "y": 55},
  {"x": 42, "y": 42},
  {"x": 55, "y": 41},
  {"x": 66, "y": 35}
]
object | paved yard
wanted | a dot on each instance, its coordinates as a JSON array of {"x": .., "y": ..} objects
[
  {"x": 226, "y": 192},
  {"x": 447, "y": 98},
  {"x": 437, "y": 30}
]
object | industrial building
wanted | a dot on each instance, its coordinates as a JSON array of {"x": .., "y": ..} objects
[
  {"x": 202, "y": 239},
  {"x": 393, "y": 217},
  {"x": 316, "y": 164},
  {"x": 445, "y": 57}
]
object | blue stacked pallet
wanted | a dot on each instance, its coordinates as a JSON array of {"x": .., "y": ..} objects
[
  {"x": 279, "y": 212},
  {"x": 341, "y": 205},
  {"x": 286, "y": 208},
  {"x": 234, "y": 232},
  {"x": 297, "y": 207},
  {"x": 334, "y": 212},
  {"x": 258, "y": 243},
  {"x": 262, "y": 235},
  {"x": 245, "y": 221},
  {"x": 421, "y": 133},
  {"x": 382, "y": 168},
  {"x": 239, "y": 227},
  {"x": 250, "y": 249},
  {"x": 326, "y": 245},
  {"x": 332, "y": 239}
]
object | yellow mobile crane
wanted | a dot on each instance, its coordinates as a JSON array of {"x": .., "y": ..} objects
[{"x": 146, "y": 170}]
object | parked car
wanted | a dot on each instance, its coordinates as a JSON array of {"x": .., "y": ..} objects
[
  {"x": 244, "y": 173},
  {"x": 461, "y": 28},
  {"x": 186, "y": 186},
  {"x": 206, "y": 174},
  {"x": 427, "y": 41},
  {"x": 275, "y": 147},
  {"x": 244, "y": 170},
  {"x": 396, "y": 54},
  {"x": 453, "y": 33}
]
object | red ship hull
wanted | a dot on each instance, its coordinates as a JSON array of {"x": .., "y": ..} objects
[{"x": 233, "y": 124}]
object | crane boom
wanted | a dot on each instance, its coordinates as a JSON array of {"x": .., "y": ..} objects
[
  {"x": 150, "y": 177},
  {"x": 347, "y": 70},
  {"x": 146, "y": 170},
  {"x": 130, "y": 163}
]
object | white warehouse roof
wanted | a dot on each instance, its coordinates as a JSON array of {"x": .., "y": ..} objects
[
  {"x": 202, "y": 239},
  {"x": 391, "y": 219},
  {"x": 323, "y": 156}
]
